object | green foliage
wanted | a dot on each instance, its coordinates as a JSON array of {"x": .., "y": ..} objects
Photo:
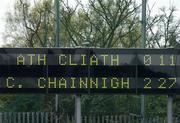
[
  {"x": 24, "y": 103},
  {"x": 156, "y": 105},
  {"x": 104, "y": 24}
]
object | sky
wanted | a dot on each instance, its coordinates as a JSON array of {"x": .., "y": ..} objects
[{"x": 7, "y": 5}]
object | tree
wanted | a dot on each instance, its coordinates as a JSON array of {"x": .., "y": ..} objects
[
  {"x": 163, "y": 29},
  {"x": 107, "y": 23},
  {"x": 25, "y": 27}
]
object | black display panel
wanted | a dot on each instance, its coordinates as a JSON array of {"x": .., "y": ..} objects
[{"x": 89, "y": 70}]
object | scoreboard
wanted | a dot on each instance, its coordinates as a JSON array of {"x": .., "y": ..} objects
[{"x": 89, "y": 70}]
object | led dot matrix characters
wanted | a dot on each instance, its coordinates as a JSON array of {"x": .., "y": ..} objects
[{"x": 107, "y": 69}]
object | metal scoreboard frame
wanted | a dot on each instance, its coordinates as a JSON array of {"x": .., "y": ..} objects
[{"x": 89, "y": 70}]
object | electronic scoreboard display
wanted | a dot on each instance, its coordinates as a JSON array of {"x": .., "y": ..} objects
[{"x": 89, "y": 70}]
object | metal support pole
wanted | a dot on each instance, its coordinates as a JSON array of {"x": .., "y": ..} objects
[
  {"x": 143, "y": 45},
  {"x": 170, "y": 109},
  {"x": 143, "y": 28},
  {"x": 45, "y": 25},
  {"x": 77, "y": 109},
  {"x": 57, "y": 22},
  {"x": 56, "y": 108},
  {"x": 142, "y": 109},
  {"x": 57, "y": 43}
]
